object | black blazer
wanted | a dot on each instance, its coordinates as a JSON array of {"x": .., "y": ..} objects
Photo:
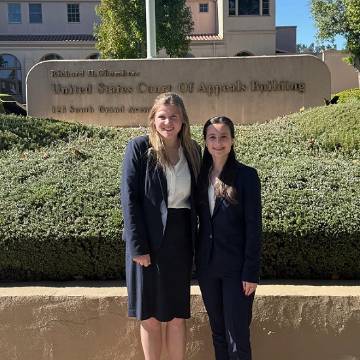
[
  {"x": 229, "y": 241},
  {"x": 144, "y": 199}
]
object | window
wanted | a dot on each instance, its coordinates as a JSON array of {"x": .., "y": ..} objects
[
  {"x": 249, "y": 7},
  {"x": 73, "y": 13},
  {"x": 244, "y": 53},
  {"x": 35, "y": 14},
  {"x": 265, "y": 7},
  {"x": 232, "y": 7},
  {"x": 203, "y": 8},
  {"x": 10, "y": 76},
  {"x": 94, "y": 56},
  {"x": 51, "y": 57},
  {"x": 14, "y": 13}
]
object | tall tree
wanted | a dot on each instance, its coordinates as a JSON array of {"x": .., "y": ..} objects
[
  {"x": 122, "y": 30},
  {"x": 313, "y": 49},
  {"x": 339, "y": 17}
]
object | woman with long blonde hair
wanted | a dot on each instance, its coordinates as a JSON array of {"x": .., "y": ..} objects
[{"x": 158, "y": 203}]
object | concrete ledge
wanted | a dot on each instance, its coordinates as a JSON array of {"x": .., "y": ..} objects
[{"x": 87, "y": 321}]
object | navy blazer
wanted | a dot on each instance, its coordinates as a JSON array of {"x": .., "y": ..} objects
[
  {"x": 144, "y": 199},
  {"x": 229, "y": 241}
]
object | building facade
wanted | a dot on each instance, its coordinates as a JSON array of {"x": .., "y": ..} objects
[
  {"x": 37, "y": 30},
  {"x": 233, "y": 28}
]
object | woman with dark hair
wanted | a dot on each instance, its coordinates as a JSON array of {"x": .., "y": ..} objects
[
  {"x": 228, "y": 249},
  {"x": 158, "y": 202}
]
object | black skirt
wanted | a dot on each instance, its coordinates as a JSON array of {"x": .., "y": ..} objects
[{"x": 163, "y": 288}]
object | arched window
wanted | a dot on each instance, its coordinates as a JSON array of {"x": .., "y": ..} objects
[
  {"x": 51, "y": 57},
  {"x": 244, "y": 53},
  {"x": 10, "y": 76},
  {"x": 94, "y": 56}
]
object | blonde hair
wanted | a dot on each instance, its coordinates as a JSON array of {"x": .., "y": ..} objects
[{"x": 156, "y": 141}]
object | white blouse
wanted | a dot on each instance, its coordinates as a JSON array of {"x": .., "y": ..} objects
[
  {"x": 211, "y": 195},
  {"x": 179, "y": 183}
]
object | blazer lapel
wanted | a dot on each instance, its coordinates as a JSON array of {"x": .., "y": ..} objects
[
  {"x": 218, "y": 201},
  {"x": 193, "y": 181},
  {"x": 163, "y": 183}
]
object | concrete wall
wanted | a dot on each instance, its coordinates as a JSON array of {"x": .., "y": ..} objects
[
  {"x": 88, "y": 321},
  {"x": 254, "y": 42},
  {"x": 120, "y": 92},
  {"x": 343, "y": 75},
  {"x": 208, "y": 49}
]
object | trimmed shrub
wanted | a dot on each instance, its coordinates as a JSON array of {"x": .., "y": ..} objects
[
  {"x": 27, "y": 133},
  {"x": 348, "y": 95},
  {"x": 332, "y": 128},
  {"x": 59, "y": 193}
]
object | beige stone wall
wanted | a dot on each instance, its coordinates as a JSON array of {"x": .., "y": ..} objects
[
  {"x": 120, "y": 92},
  {"x": 88, "y": 321},
  {"x": 254, "y": 42},
  {"x": 208, "y": 49},
  {"x": 343, "y": 75}
]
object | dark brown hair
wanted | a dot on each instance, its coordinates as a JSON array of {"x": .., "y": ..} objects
[{"x": 224, "y": 186}]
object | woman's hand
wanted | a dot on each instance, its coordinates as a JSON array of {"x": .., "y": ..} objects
[
  {"x": 143, "y": 260},
  {"x": 249, "y": 287}
]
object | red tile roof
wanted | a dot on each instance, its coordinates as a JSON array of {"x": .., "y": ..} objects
[
  {"x": 88, "y": 37},
  {"x": 202, "y": 37},
  {"x": 58, "y": 37}
]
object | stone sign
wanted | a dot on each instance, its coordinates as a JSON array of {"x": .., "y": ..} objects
[{"x": 121, "y": 92}]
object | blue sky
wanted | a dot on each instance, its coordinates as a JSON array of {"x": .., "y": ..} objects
[{"x": 297, "y": 12}]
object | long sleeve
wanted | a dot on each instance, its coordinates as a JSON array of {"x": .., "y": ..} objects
[
  {"x": 253, "y": 227},
  {"x": 131, "y": 201}
]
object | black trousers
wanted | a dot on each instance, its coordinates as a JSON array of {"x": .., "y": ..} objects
[{"x": 230, "y": 313}]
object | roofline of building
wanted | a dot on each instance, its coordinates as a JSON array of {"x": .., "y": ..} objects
[
  {"x": 205, "y": 37},
  {"x": 286, "y": 27},
  {"x": 47, "y": 38}
]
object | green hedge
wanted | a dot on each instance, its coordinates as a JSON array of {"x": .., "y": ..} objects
[
  {"x": 60, "y": 216},
  {"x": 348, "y": 95}
]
